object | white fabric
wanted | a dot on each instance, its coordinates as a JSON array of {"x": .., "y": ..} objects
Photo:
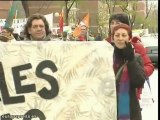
[
  {"x": 146, "y": 97},
  {"x": 85, "y": 76}
]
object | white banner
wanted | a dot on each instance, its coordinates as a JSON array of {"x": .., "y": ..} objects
[
  {"x": 18, "y": 24},
  {"x": 49, "y": 18},
  {"x": 57, "y": 81}
]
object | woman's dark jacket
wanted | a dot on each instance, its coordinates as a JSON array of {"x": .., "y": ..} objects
[{"x": 137, "y": 78}]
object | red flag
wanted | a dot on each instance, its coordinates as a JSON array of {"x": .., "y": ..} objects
[{"x": 61, "y": 21}]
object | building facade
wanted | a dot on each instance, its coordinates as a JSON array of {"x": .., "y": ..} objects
[{"x": 47, "y": 7}]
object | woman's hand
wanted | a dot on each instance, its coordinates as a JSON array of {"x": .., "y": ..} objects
[{"x": 128, "y": 52}]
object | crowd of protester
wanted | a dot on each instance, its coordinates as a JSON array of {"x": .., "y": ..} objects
[
  {"x": 37, "y": 26},
  {"x": 126, "y": 46}
]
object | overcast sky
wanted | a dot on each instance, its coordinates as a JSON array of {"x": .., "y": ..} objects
[{"x": 155, "y": 2}]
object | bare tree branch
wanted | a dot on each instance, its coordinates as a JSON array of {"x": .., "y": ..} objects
[
  {"x": 124, "y": 6},
  {"x": 114, "y": 4},
  {"x": 147, "y": 12},
  {"x": 71, "y": 5},
  {"x": 111, "y": 5},
  {"x": 26, "y": 7},
  {"x": 67, "y": 8}
]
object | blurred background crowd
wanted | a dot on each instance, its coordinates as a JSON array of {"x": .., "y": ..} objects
[{"x": 67, "y": 17}]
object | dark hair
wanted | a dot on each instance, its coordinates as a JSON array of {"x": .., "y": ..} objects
[
  {"x": 124, "y": 26},
  {"x": 29, "y": 24},
  {"x": 121, "y": 17}
]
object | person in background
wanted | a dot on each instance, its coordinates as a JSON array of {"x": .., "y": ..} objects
[
  {"x": 7, "y": 34},
  {"x": 64, "y": 36},
  {"x": 84, "y": 36},
  {"x": 59, "y": 34},
  {"x": 22, "y": 36},
  {"x": 37, "y": 29},
  {"x": 136, "y": 39},
  {"x": 129, "y": 74},
  {"x": 98, "y": 37},
  {"x": 70, "y": 37},
  {"x": 16, "y": 36}
]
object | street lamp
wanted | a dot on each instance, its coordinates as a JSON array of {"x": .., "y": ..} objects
[{"x": 56, "y": 14}]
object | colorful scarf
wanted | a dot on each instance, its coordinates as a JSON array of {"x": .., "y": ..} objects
[{"x": 123, "y": 98}]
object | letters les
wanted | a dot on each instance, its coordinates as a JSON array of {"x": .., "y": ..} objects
[{"x": 44, "y": 92}]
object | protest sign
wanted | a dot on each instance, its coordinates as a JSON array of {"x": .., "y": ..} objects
[{"x": 57, "y": 81}]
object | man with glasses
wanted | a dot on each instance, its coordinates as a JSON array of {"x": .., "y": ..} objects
[{"x": 37, "y": 29}]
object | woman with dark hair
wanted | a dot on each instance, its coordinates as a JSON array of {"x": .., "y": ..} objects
[
  {"x": 117, "y": 19},
  {"x": 37, "y": 28},
  {"x": 129, "y": 74},
  {"x": 120, "y": 18}
]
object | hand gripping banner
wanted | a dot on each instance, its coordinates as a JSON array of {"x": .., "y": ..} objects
[{"x": 57, "y": 81}]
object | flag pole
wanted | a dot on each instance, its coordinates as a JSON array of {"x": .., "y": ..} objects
[
  {"x": 88, "y": 27},
  {"x": 16, "y": 15},
  {"x": 87, "y": 34}
]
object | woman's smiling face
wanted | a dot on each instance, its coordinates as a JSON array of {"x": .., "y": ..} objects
[{"x": 120, "y": 37}]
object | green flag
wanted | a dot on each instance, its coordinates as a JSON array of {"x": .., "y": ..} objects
[{"x": 11, "y": 14}]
